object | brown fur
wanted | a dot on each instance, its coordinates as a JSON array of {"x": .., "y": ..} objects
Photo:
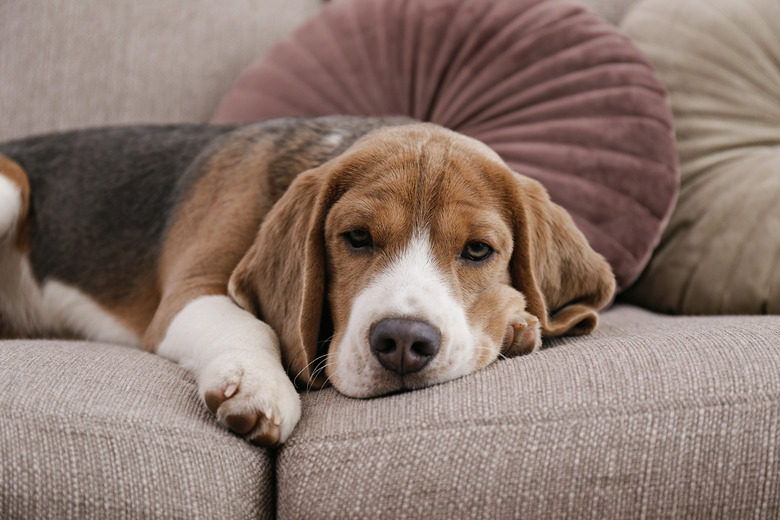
[
  {"x": 563, "y": 279},
  {"x": 225, "y": 217}
]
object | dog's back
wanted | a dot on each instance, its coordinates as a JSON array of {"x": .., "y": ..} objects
[{"x": 100, "y": 201}]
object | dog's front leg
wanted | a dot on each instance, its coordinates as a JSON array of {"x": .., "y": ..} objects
[{"x": 236, "y": 360}]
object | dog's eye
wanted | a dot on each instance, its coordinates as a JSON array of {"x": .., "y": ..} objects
[
  {"x": 358, "y": 238},
  {"x": 476, "y": 251}
]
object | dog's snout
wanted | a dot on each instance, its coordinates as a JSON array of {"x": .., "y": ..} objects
[{"x": 404, "y": 346}]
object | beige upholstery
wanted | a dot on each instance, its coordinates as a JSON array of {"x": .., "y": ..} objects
[
  {"x": 67, "y": 64},
  {"x": 611, "y": 10},
  {"x": 652, "y": 416},
  {"x": 101, "y": 431}
]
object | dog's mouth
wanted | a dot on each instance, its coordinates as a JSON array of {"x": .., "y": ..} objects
[
  {"x": 399, "y": 385},
  {"x": 375, "y": 380},
  {"x": 405, "y": 387},
  {"x": 398, "y": 354},
  {"x": 392, "y": 384}
]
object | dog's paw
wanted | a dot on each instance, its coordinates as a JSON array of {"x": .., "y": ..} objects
[
  {"x": 523, "y": 334},
  {"x": 253, "y": 399}
]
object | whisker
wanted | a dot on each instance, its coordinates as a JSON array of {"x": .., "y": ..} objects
[
  {"x": 326, "y": 340},
  {"x": 320, "y": 369},
  {"x": 317, "y": 359},
  {"x": 327, "y": 380},
  {"x": 314, "y": 361}
]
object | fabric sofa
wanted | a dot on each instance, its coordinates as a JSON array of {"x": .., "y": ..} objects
[{"x": 651, "y": 416}]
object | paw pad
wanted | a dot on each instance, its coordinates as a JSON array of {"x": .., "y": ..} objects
[{"x": 258, "y": 427}]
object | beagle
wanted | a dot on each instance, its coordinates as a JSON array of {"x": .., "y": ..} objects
[{"x": 375, "y": 254}]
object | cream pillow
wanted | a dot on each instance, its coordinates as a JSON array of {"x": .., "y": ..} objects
[{"x": 720, "y": 60}]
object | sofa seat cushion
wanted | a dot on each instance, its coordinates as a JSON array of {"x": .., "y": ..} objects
[
  {"x": 721, "y": 62},
  {"x": 101, "y": 431},
  {"x": 558, "y": 92},
  {"x": 672, "y": 417}
]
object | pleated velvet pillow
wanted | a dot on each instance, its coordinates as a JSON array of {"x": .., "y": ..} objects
[
  {"x": 721, "y": 62},
  {"x": 559, "y": 93}
]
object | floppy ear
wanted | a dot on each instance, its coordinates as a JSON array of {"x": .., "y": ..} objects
[
  {"x": 564, "y": 280},
  {"x": 281, "y": 278}
]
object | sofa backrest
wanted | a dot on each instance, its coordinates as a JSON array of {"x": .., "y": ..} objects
[{"x": 66, "y": 64}]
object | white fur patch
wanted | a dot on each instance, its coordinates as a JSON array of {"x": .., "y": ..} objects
[
  {"x": 209, "y": 326},
  {"x": 21, "y": 299},
  {"x": 411, "y": 287},
  {"x": 68, "y": 309},
  {"x": 10, "y": 207},
  {"x": 334, "y": 139},
  {"x": 55, "y": 308},
  {"x": 231, "y": 351}
]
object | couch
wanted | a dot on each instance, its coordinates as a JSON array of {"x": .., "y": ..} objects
[{"x": 653, "y": 415}]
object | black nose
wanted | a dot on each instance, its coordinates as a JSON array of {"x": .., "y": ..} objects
[{"x": 404, "y": 346}]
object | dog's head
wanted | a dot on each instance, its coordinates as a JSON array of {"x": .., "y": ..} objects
[{"x": 421, "y": 257}]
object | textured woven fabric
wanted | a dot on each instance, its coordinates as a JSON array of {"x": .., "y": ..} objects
[
  {"x": 611, "y": 10},
  {"x": 559, "y": 93},
  {"x": 651, "y": 416},
  {"x": 721, "y": 62},
  {"x": 99, "y": 431},
  {"x": 67, "y": 64}
]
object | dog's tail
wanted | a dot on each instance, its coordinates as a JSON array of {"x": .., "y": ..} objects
[{"x": 14, "y": 202}]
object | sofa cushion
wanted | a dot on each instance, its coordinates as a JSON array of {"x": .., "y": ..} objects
[
  {"x": 100, "y": 431},
  {"x": 651, "y": 415},
  {"x": 559, "y": 93},
  {"x": 68, "y": 64},
  {"x": 721, "y": 62}
]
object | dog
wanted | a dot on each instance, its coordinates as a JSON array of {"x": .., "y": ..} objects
[{"x": 374, "y": 254}]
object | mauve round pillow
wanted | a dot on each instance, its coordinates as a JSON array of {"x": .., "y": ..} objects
[{"x": 560, "y": 94}]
